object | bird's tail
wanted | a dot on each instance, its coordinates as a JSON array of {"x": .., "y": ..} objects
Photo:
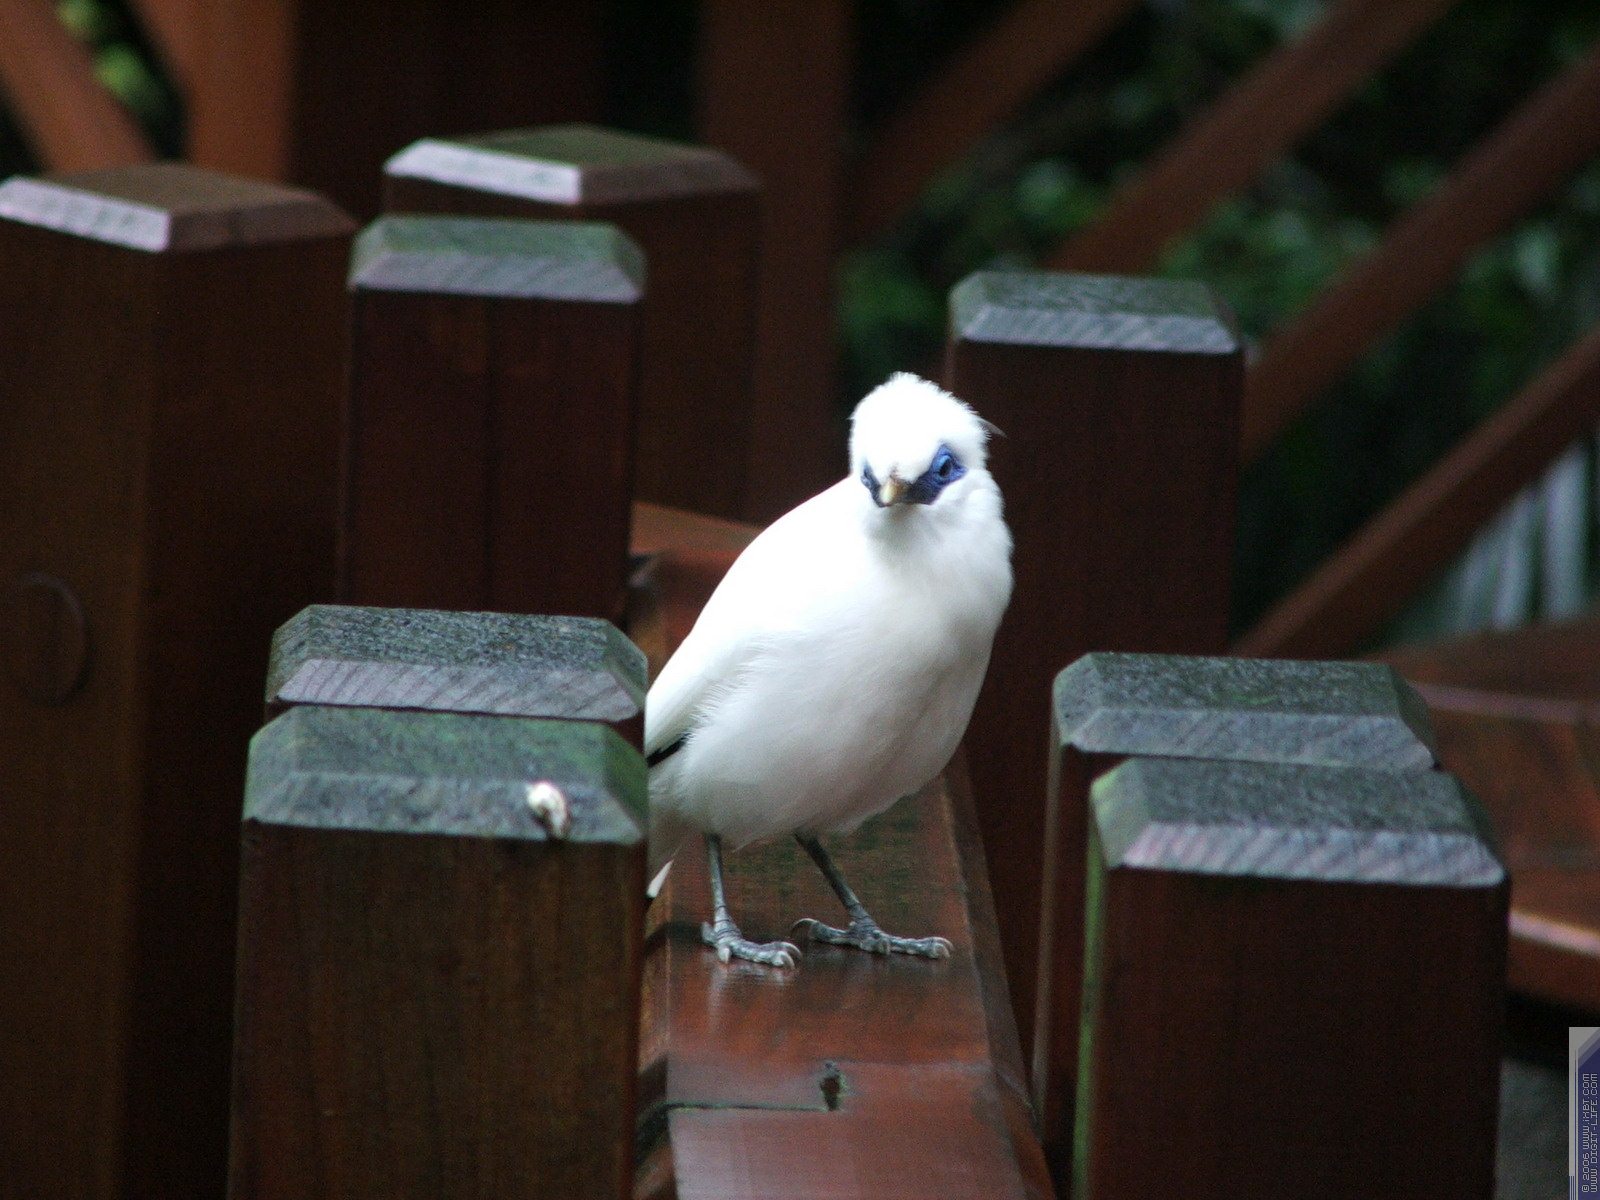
[{"x": 666, "y": 836}]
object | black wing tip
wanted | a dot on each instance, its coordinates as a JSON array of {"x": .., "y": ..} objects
[{"x": 666, "y": 752}]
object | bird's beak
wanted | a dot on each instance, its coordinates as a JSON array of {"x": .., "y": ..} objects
[{"x": 890, "y": 490}]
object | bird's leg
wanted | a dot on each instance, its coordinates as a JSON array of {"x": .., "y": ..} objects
[
  {"x": 863, "y": 933},
  {"x": 723, "y": 936}
]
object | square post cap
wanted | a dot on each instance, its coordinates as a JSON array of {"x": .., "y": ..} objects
[
  {"x": 1290, "y": 821},
  {"x": 1345, "y": 714},
  {"x": 502, "y": 664},
  {"x": 380, "y": 771},
  {"x": 573, "y": 165},
  {"x": 170, "y": 207},
  {"x": 497, "y": 257},
  {"x": 1091, "y": 312}
]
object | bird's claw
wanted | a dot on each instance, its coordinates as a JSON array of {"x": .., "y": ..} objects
[
  {"x": 729, "y": 943},
  {"x": 865, "y": 935}
]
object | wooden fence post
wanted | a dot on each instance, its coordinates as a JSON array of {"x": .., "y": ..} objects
[
  {"x": 487, "y": 450},
  {"x": 452, "y": 973},
  {"x": 1119, "y": 399},
  {"x": 171, "y": 348},
  {"x": 1295, "y": 985},
  {"x": 695, "y": 213},
  {"x": 1109, "y": 706},
  {"x": 438, "y": 979}
]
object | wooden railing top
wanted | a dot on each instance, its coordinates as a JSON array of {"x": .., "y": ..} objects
[{"x": 851, "y": 1074}]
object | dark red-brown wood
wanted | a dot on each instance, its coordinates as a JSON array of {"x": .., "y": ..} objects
[
  {"x": 323, "y": 95},
  {"x": 1294, "y": 986},
  {"x": 1516, "y": 714},
  {"x": 438, "y": 991},
  {"x": 490, "y": 432},
  {"x": 1119, "y": 401},
  {"x": 851, "y": 1075},
  {"x": 695, "y": 214},
  {"x": 775, "y": 84},
  {"x": 170, "y": 341}
]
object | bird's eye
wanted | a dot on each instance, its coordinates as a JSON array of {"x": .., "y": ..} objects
[{"x": 944, "y": 466}]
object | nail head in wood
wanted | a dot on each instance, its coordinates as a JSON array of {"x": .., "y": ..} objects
[
  {"x": 442, "y": 773},
  {"x": 46, "y": 638}
]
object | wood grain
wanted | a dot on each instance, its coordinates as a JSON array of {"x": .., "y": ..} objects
[
  {"x": 167, "y": 451},
  {"x": 694, "y": 212},
  {"x": 1369, "y": 580},
  {"x": 1119, "y": 400},
  {"x": 1307, "y": 965},
  {"x": 437, "y": 995},
  {"x": 1504, "y": 176},
  {"x": 1279, "y": 101},
  {"x": 1106, "y": 707},
  {"x": 69, "y": 119},
  {"x": 774, "y": 92},
  {"x": 1028, "y": 46},
  {"x": 489, "y": 439}
]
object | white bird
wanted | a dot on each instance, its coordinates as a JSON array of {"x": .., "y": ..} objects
[{"x": 835, "y": 667}]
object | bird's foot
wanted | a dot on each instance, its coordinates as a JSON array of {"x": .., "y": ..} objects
[
  {"x": 865, "y": 935},
  {"x": 724, "y": 937}
]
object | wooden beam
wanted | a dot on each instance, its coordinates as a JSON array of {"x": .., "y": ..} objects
[
  {"x": 774, "y": 82},
  {"x": 1119, "y": 400},
  {"x": 69, "y": 119},
  {"x": 489, "y": 442},
  {"x": 438, "y": 985},
  {"x": 695, "y": 213},
  {"x": 179, "y": 30},
  {"x": 840, "y": 1077},
  {"x": 171, "y": 345},
  {"x": 1106, "y": 707},
  {"x": 989, "y": 79},
  {"x": 1370, "y": 579},
  {"x": 1307, "y": 964},
  {"x": 322, "y": 96},
  {"x": 1268, "y": 111},
  {"x": 1504, "y": 176}
]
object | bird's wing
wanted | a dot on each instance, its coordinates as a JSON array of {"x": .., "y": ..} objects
[{"x": 759, "y": 597}]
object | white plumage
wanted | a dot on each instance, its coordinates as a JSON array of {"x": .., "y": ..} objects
[{"x": 834, "y": 669}]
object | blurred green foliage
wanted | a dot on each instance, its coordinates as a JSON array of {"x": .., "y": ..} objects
[{"x": 1515, "y": 305}]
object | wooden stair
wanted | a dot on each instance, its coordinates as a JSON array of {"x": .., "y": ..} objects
[{"x": 1518, "y": 719}]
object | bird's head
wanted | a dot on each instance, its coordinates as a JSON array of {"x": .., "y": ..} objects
[{"x": 912, "y": 442}]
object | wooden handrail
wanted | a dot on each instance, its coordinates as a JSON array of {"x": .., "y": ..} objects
[
  {"x": 1512, "y": 169},
  {"x": 989, "y": 80},
  {"x": 67, "y": 116},
  {"x": 1369, "y": 581},
  {"x": 1275, "y": 105}
]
